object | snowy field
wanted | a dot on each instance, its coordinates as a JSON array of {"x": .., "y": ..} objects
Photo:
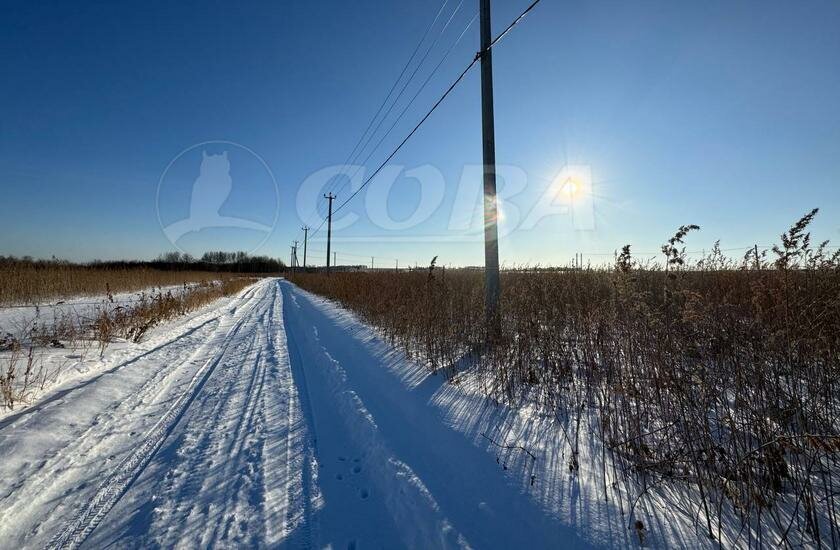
[
  {"x": 276, "y": 419},
  {"x": 49, "y": 344},
  {"x": 20, "y": 318}
]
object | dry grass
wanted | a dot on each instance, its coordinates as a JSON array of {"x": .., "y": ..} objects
[
  {"x": 721, "y": 377},
  {"x": 22, "y": 366},
  {"x": 23, "y": 283}
]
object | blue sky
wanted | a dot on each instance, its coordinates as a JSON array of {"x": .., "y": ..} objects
[{"x": 723, "y": 114}]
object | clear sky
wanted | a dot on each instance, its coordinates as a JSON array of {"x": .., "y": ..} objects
[{"x": 724, "y": 114}]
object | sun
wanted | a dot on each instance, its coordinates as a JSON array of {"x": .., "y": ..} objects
[
  {"x": 570, "y": 187},
  {"x": 572, "y": 183}
]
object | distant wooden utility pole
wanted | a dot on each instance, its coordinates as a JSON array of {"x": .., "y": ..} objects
[
  {"x": 330, "y": 197},
  {"x": 371, "y": 263},
  {"x": 294, "y": 256},
  {"x": 491, "y": 232},
  {"x": 305, "y": 238}
]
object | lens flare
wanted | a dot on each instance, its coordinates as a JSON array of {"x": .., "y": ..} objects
[{"x": 570, "y": 187}]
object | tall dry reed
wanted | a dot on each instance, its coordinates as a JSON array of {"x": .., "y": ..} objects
[{"x": 721, "y": 377}]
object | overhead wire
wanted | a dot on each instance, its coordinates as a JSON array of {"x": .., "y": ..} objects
[
  {"x": 422, "y": 87},
  {"x": 434, "y": 107},
  {"x": 410, "y": 78},
  {"x": 350, "y": 157}
]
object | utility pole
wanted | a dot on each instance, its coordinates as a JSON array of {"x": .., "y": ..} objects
[
  {"x": 305, "y": 238},
  {"x": 371, "y": 263},
  {"x": 491, "y": 231},
  {"x": 397, "y": 268},
  {"x": 330, "y": 197},
  {"x": 335, "y": 262},
  {"x": 294, "y": 256}
]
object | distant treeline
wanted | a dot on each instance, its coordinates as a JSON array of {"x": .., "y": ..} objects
[{"x": 216, "y": 261}]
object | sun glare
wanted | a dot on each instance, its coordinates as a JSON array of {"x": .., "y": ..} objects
[
  {"x": 500, "y": 212},
  {"x": 570, "y": 187},
  {"x": 573, "y": 182}
]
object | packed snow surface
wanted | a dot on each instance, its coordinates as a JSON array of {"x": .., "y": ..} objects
[{"x": 276, "y": 419}]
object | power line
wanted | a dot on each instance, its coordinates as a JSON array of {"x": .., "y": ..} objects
[
  {"x": 513, "y": 24},
  {"x": 388, "y": 96},
  {"x": 411, "y": 102},
  {"x": 403, "y": 142},
  {"x": 433, "y": 108},
  {"x": 358, "y": 255},
  {"x": 407, "y": 82},
  {"x": 397, "y": 81}
]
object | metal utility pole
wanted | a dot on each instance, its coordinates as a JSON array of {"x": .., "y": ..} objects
[
  {"x": 330, "y": 197},
  {"x": 305, "y": 238},
  {"x": 491, "y": 231}
]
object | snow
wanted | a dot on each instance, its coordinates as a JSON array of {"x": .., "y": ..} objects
[
  {"x": 277, "y": 419},
  {"x": 17, "y": 319},
  {"x": 57, "y": 368}
]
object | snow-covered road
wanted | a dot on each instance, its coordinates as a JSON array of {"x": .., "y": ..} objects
[{"x": 272, "y": 420}]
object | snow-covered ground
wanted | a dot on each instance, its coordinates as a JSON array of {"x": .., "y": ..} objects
[
  {"x": 276, "y": 419},
  {"x": 18, "y": 319},
  {"x": 74, "y": 354}
]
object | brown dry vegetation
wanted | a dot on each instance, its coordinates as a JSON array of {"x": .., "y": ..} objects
[
  {"x": 721, "y": 377},
  {"x": 22, "y": 369},
  {"x": 23, "y": 282}
]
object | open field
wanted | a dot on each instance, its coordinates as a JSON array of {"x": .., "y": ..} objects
[
  {"x": 270, "y": 419},
  {"x": 717, "y": 379},
  {"x": 34, "y": 282},
  {"x": 39, "y": 343}
]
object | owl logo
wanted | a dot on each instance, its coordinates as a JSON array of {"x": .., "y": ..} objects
[{"x": 210, "y": 191}]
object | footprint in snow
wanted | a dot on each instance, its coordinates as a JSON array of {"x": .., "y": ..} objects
[
  {"x": 357, "y": 469},
  {"x": 363, "y": 494}
]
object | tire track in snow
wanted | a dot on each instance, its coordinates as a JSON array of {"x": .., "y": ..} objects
[
  {"x": 202, "y": 448},
  {"x": 45, "y": 403},
  {"x": 54, "y": 474},
  {"x": 353, "y": 511},
  {"x": 299, "y": 391},
  {"x": 284, "y": 444},
  {"x": 121, "y": 478}
]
